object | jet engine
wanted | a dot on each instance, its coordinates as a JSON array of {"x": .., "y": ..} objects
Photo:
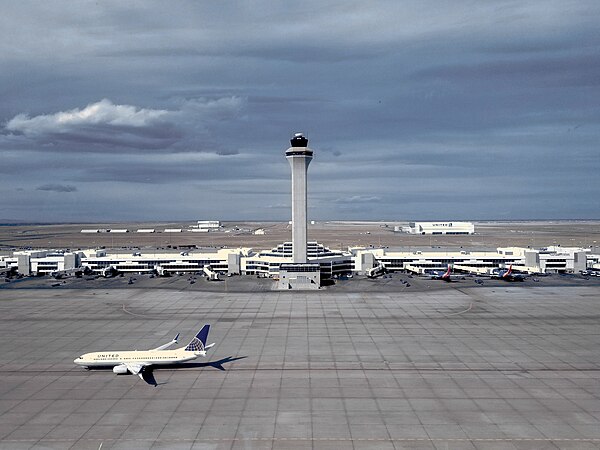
[{"x": 120, "y": 369}]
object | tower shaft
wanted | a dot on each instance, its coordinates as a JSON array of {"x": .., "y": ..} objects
[
  {"x": 299, "y": 167},
  {"x": 299, "y": 157}
]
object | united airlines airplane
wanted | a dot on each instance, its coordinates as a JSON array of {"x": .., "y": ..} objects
[{"x": 140, "y": 362}]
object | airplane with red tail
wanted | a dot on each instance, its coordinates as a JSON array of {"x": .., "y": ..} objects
[
  {"x": 508, "y": 275},
  {"x": 446, "y": 276}
]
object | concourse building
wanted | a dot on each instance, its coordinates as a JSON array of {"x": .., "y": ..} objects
[{"x": 271, "y": 263}]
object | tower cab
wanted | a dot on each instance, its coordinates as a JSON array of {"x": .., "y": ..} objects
[{"x": 299, "y": 140}]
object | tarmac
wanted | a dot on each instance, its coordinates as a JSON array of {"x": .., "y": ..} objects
[{"x": 498, "y": 366}]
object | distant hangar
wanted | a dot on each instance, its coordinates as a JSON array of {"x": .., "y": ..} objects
[{"x": 439, "y": 228}]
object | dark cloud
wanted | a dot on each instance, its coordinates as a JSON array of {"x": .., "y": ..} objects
[
  {"x": 415, "y": 109},
  {"x": 357, "y": 199},
  {"x": 56, "y": 188},
  {"x": 566, "y": 70}
]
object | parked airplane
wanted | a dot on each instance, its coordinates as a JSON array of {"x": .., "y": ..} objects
[
  {"x": 444, "y": 276},
  {"x": 508, "y": 275},
  {"x": 140, "y": 362}
]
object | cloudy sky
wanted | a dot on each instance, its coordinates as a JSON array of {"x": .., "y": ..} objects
[{"x": 117, "y": 111}]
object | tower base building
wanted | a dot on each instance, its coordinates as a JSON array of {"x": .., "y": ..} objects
[{"x": 305, "y": 276}]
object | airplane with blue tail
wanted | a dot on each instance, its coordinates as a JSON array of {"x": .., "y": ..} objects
[{"x": 141, "y": 362}]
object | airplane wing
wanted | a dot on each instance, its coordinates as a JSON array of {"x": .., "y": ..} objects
[
  {"x": 165, "y": 346},
  {"x": 135, "y": 368},
  {"x": 142, "y": 370}
]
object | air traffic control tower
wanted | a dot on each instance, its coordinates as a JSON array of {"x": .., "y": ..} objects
[{"x": 299, "y": 157}]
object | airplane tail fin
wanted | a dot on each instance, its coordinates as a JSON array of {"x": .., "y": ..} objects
[
  {"x": 509, "y": 270},
  {"x": 447, "y": 274},
  {"x": 198, "y": 344}
]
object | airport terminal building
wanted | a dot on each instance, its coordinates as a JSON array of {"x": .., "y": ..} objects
[{"x": 268, "y": 263}]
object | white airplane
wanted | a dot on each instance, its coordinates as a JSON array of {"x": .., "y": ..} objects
[
  {"x": 140, "y": 362},
  {"x": 446, "y": 276},
  {"x": 508, "y": 275}
]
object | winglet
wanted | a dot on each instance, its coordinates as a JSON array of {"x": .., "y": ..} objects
[{"x": 167, "y": 345}]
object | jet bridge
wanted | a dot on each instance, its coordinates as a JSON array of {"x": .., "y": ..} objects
[
  {"x": 477, "y": 270},
  {"x": 210, "y": 274}
]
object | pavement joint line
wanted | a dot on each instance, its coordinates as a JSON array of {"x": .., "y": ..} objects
[
  {"x": 126, "y": 311},
  {"x": 293, "y": 439},
  {"x": 462, "y": 312}
]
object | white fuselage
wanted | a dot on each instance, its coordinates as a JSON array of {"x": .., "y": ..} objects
[{"x": 146, "y": 357}]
